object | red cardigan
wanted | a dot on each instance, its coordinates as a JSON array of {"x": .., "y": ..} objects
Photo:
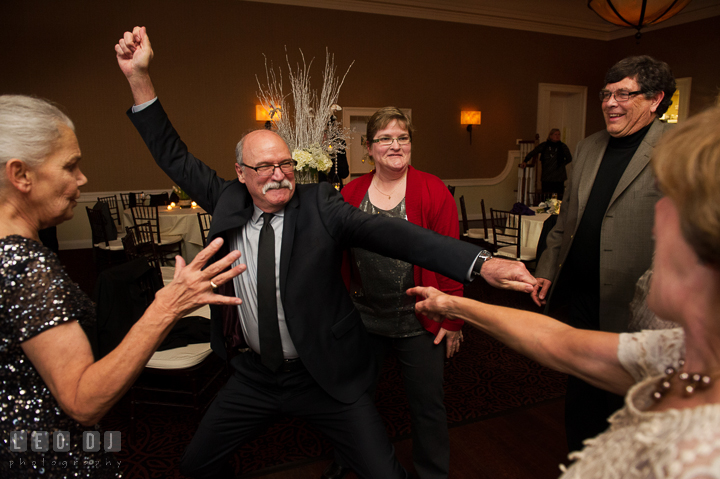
[{"x": 429, "y": 204}]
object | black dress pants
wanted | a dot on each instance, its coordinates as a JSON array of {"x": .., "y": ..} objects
[
  {"x": 254, "y": 396},
  {"x": 587, "y": 410}
]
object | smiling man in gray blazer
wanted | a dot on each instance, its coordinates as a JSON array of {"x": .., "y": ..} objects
[{"x": 602, "y": 242}]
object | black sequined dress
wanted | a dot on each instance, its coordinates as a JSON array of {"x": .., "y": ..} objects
[{"x": 38, "y": 295}]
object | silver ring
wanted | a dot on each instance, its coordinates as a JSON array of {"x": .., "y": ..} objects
[{"x": 215, "y": 286}]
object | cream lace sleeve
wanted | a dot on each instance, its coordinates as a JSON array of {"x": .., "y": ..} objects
[{"x": 648, "y": 353}]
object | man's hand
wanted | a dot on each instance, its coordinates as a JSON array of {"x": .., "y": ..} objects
[
  {"x": 134, "y": 53},
  {"x": 506, "y": 274},
  {"x": 453, "y": 339},
  {"x": 542, "y": 288}
]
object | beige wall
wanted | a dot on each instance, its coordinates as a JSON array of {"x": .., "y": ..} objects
[{"x": 208, "y": 53}]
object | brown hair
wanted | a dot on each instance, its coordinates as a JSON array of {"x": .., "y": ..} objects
[
  {"x": 383, "y": 117},
  {"x": 687, "y": 166}
]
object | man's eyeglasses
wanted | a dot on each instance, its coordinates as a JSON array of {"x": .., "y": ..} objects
[
  {"x": 620, "y": 95},
  {"x": 387, "y": 141},
  {"x": 268, "y": 170}
]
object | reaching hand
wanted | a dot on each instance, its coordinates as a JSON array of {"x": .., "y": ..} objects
[
  {"x": 505, "y": 274},
  {"x": 134, "y": 52},
  {"x": 193, "y": 285},
  {"x": 542, "y": 288},
  {"x": 434, "y": 304}
]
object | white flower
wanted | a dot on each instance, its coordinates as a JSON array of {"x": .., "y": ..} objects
[{"x": 312, "y": 158}]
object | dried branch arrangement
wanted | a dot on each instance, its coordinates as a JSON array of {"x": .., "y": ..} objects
[{"x": 302, "y": 117}]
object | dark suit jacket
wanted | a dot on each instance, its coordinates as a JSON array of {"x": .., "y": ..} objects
[{"x": 325, "y": 327}]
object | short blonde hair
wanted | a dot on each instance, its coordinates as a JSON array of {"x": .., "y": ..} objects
[{"x": 687, "y": 166}]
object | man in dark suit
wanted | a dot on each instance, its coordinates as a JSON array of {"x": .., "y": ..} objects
[
  {"x": 325, "y": 364},
  {"x": 602, "y": 242}
]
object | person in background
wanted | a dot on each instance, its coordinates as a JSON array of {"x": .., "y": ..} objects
[
  {"x": 554, "y": 155},
  {"x": 669, "y": 426},
  {"x": 49, "y": 380},
  {"x": 378, "y": 284},
  {"x": 602, "y": 241}
]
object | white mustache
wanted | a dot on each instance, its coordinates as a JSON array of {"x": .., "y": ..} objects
[{"x": 274, "y": 185}]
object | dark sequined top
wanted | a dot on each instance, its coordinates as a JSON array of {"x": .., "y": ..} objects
[
  {"x": 38, "y": 295},
  {"x": 380, "y": 297}
]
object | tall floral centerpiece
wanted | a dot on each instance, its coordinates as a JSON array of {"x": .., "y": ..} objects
[{"x": 302, "y": 117}]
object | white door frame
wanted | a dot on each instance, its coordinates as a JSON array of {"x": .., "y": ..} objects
[{"x": 544, "y": 92}]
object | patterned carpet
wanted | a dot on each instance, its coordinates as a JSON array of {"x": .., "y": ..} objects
[{"x": 485, "y": 379}]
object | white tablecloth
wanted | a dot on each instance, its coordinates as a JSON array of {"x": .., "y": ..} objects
[
  {"x": 531, "y": 228},
  {"x": 178, "y": 221}
]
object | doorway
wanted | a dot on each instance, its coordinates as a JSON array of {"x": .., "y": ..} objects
[{"x": 563, "y": 107}]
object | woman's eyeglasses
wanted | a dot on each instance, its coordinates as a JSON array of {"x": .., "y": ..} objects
[{"x": 387, "y": 141}]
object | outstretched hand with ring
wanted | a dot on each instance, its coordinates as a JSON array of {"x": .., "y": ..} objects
[{"x": 192, "y": 286}]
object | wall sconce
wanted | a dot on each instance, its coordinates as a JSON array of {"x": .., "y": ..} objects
[
  {"x": 470, "y": 118},
  {"x": 261, "y": 114}
]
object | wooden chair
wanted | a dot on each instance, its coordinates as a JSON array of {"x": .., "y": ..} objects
[
  {"x": 452, "y": 190},
  {"x": 204, "y": 220},
  {"x": 507, "y": 228},
  {"x": 168, "y": 246},
  {"x": 479, "y": 236},
  {"x": 127, "y": 202},
  {"x": 139, "y": 243},
  {"x": 179, "y": 377},
  {"x": 105, "y": 251},
  {"x": 114, "y": 211}
]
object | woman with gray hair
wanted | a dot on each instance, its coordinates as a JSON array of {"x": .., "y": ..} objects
[
  {"x": 670, "y": 424},
  {"x": 51, "y": 388}
]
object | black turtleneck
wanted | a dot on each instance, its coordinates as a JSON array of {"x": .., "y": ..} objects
[{"x": 581, "y": 274}]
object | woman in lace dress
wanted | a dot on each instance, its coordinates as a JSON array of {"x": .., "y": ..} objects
[
  {"x": 49, "y": 381},
  {"x": 670, "y": 424}
]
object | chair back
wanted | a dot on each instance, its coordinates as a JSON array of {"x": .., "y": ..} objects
[
  {"x": 139, "y": 243},
  {"x": 463, "y": 213},
  {"x": 452, "y": 190},
  {"x": 485, "y": 228},
  {"x": 204, "y": 220},
  {"x": 148, "y": 214},
  {"x": 122, "y": 294},
  {"x": 112, "y": 203},
  {"x": 536, "y": 198},
  {"x": 506, "y": 231},
  {"x": 130, "y": 200},
  {"x": 98, "y": 225}
]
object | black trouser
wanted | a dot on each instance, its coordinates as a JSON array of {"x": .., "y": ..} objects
[
  {"x": 253, "y": 397},
  {"x": 587, "y": 410},
  {"x": 422, "y": 364}
]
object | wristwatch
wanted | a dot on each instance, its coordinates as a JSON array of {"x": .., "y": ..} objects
[{"x": 482, "y": 257}]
